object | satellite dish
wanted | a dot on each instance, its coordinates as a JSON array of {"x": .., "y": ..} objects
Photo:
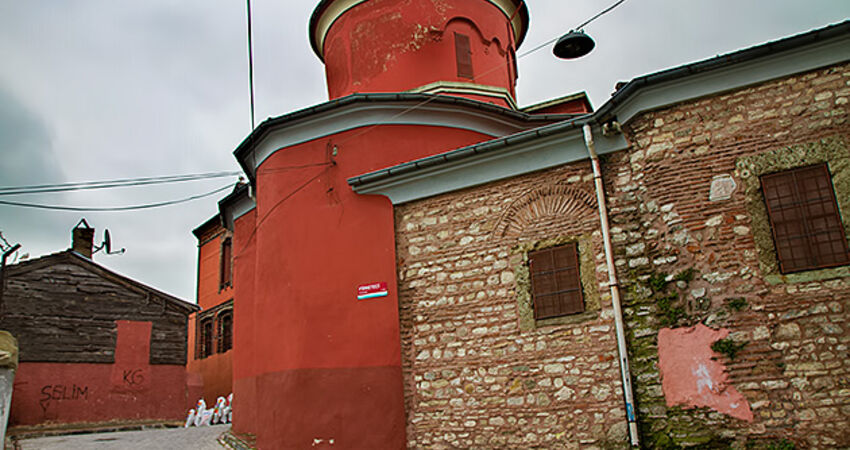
[{"x": 107, "y": 245}]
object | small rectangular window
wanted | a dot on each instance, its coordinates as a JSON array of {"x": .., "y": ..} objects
[
  {"x": 225, "y": 332},
  {"x": 463, "y": 54},
  {"x": 804, "y": 219},
  {"x": 226, "y": 266},
  {"x": 206, "y": 338},
  {"x": 555, "y": 281}
]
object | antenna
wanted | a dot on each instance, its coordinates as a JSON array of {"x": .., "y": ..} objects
[{"x": 107, "y": 245}]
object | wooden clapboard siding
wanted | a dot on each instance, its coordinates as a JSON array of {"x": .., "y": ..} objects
[{"x": 63, "y": 308}]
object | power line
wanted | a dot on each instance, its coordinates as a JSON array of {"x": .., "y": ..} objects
[
  {"x": 109, "y": 184},
  {"x": 115, "y": 208},
  {"x": 605, "y": 11},
  {"x": 250, "y": 65}
]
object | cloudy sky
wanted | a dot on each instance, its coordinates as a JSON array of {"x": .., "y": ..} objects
[{"x": 105, "y": 89}]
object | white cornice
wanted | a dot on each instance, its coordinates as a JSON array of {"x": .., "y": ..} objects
[
  {"x": 464, "y": 88},
  {"x": 358, "y": 115}
]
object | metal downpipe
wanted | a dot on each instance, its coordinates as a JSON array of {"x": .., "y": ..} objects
[{"x": 614, "y": 285}]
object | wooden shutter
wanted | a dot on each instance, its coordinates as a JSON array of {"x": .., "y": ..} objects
[
  {"x": 555, "y": 281},
  {"x": 463, "y": 55},
  {"x": 804, "y": 219}
]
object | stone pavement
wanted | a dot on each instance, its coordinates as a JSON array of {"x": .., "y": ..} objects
[{"x": 200, "y": 438}]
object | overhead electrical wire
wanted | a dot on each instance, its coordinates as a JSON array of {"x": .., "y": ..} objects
[
  {"x": 115, "y": 208},
  {"x": 109, "y": 184}
]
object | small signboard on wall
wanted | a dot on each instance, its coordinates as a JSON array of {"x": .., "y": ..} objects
[{"x": 373, "y": 290}]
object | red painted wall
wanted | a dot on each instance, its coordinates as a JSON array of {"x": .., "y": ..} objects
[
  {"x": 327, "y": 365},
  {"x": 129, "y": 389},
  {"x": 216, "y": 370},
  {"x": 398, "y": 45},
  {"x": 245, "y": 347},
  {"x": 209, "y": 266}
]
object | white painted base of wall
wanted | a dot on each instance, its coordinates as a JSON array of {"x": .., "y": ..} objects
[{"x": 7, "y": 378}]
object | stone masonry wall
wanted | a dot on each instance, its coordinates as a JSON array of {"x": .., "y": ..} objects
[
  {"x": 684, "y": 259},
  {"x": 479, "y": 370}
]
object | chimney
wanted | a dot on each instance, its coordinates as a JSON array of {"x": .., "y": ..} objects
[{"x": 83, "y": 239}]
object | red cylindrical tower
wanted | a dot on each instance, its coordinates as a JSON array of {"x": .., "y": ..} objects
[{"x": 464, "y": 48}]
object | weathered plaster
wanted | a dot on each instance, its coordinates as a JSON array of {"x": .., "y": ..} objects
[
  {"x": 587, "y": 272},
  {"x": 832, "y": 151},
  {"x": 692, "y": 377}
]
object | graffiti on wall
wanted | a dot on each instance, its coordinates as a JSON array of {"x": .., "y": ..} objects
[{"x": 61, "y": 392}]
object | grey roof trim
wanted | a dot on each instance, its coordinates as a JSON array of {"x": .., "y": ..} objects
[
  {"x": 556, "y": 101},
  {"x": 216, "y": 219},
  {"x": 363, "y": 110},
  {"x": 765, "y": 62},
  {"x": 514, "y": 155},
  {"x": 491, "y": 160},
  {"x": 235, "y": 205}
]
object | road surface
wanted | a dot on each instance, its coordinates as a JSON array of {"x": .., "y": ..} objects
[{"x": 194, "y": 438}]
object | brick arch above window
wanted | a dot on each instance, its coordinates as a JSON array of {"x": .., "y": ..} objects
[{"x": 556, "y": 200}]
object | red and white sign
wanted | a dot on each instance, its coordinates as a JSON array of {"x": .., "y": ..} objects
[{"x": 372, "y": 290}]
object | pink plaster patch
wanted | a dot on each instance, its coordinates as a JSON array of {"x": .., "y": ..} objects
[{"x": 689, "y": 376}]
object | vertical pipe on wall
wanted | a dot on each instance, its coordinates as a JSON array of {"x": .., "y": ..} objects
[{"x": 614, "y": 285}]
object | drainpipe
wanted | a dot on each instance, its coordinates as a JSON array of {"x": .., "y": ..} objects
[{"x": 625, "y": 374}]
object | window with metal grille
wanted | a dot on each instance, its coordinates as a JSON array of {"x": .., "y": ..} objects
[
  {"x": 463, "y": 55},
  {"x": 226, "y": 264},
  {"x": 555, "y": 281},
  {"x": 206, "y": 338},
  {"x": 804, "y": 219},
  {"x": 225, "y": 331}
]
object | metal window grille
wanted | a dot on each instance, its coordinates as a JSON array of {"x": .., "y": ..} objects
[
  {"x": 804, "y": 219},
  {"x": 463, "y": 55},
  {"x": 555, "y": 281},
  {"x": 226, "y": 266},
  {"x": 225, "y": 332}
]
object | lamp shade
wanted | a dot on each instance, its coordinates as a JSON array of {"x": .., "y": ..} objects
[{"x": 574, "y": 44}]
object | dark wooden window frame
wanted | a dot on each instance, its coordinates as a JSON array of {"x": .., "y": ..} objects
[
  {"x": 226, "y": 264},
  {"x": 804, "y": 218},
  {"x": 224, "y": 327},
  {"x": 206, "y": 337},
  {"x": 463, "y": 56},
  {"x": 556, "y": 288}
]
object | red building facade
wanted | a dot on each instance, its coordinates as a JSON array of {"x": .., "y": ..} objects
[
  {"x": 387, "y": 247},
  {"x": 211, "y": 329}
]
